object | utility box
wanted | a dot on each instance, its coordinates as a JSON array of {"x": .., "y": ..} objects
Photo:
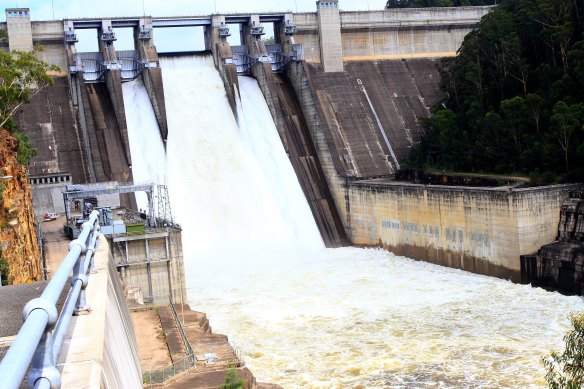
[{"x": 132, "y": 228}]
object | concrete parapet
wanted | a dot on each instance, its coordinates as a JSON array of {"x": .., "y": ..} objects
[{"x": 100, "y": 348}]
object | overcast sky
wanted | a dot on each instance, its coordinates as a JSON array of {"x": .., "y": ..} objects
[
  {"x": 166, "y": 40},
  {"x": 61, "y": 9}
]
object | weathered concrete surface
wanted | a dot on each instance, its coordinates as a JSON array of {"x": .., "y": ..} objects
[
  {"x": 19, "y": 30},
  {"x": 152, "y": 77},
  {"x": 152, "y": 347},
  {"x": 151, "y": 264},
  {"x": 481, "y": 230},
  {"x": 49, "y": 122},
  {"x": 49, "y": 34},
  {"x": 100, "y": 348},
  {"x": 392, "y": 33},
  {"x": 559, "y": 265},
  {"x": 106, "y": 139},
  {"x": 329, "y": 28},
  {"x": 401, "y": 92},
  {"x": 295, "y": 137}
]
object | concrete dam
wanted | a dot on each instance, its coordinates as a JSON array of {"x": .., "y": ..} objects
[{"x": 272, "y": 154}]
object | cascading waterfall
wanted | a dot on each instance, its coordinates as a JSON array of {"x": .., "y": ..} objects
[
  {"x": 313, "y": 317},
  {"x": 146, "y": 145}
]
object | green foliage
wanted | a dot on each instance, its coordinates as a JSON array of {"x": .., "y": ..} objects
[
  {"x": 22, "y": 76},
  {"x": 436, "y": 3},
  {"x": 515, "y": 95},
  {"x": 566, "y": 370},
  {"x": 4, "y": 269},
  {"x": 25, "y": 149},
  {"x": 232, "y": 381}
]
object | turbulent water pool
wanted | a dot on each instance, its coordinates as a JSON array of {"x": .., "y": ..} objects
[
  {"x": 307, "y": 316},
  {"x": 366, "y": 318}
]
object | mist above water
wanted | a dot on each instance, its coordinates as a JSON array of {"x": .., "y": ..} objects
[{"x": 313, "y": 317}]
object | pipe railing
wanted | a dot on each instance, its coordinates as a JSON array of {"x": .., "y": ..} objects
[
  {"x": 185, "y": 340},
  {"x": 36, "y": 341}
]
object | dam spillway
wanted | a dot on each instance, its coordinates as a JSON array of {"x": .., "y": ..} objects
[{"x": 313, "y": 317}]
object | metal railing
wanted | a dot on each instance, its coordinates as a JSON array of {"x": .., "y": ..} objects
[
  {"x": 185, "y": 340},
  {"x": 37, "y": 341},
  {"x": 160, "y": 376}
]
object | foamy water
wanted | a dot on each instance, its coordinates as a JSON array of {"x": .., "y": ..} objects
[
  {"x": 326, "y": 318},
  {"x": 366, "y": 318},
  {"x": 146, "y": 145}
]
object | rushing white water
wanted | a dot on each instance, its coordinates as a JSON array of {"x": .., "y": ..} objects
[
  {"x": 313, "y": 317},
  {"x": 146, "y": 146}
]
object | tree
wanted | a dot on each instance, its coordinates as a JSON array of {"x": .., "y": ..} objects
[
  {"x": 22, "y": 76},
  {"x": 565, "y": 120},
  {"x": 566, "y": 370},
  {"x": 515, "y": 93},
  {"x": 232, "y": 381}
]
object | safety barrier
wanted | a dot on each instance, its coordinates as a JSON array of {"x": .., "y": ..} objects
[
  {"x": 37, "y": 341},
  {"x": 185, "y": 340}
]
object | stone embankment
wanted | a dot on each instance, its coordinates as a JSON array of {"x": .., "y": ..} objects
[
  {"x": 214, "y": 354},
  {"x": 19, "y": 253}
]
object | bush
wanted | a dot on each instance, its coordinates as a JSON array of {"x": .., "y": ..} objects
[
  {"x": 231, "y": 380},
  {"x": 25, "y": 150},
  {"x": 566, "y": 370}
]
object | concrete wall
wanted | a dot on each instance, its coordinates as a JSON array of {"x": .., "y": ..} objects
[
  {"x": 49, "y": 121},
  {"x": 392, "y": 33},
  {"x": 100, "y": 349},
  {"x": 19, "y": 31},
  {"x": 49, "y": 34},
  {"x": 329, "y": 28},
  {"x": 151, "y": 265},
  {"x": 482, "y": 230}
]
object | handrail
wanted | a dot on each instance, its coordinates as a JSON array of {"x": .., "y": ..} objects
[
  {"x": 190, "y": 352},
  {"x": 160, "y": 376},
  {"x": 36, "y": 341}
]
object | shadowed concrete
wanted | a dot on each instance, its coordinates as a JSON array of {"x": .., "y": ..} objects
[
  {"x": 401, "y": 92},
  {"x": 49, "y": 122}
]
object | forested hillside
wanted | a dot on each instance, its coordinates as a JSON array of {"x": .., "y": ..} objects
[
  {"x": 436, "y": 3},
  {"x": 515, "y": 96}
]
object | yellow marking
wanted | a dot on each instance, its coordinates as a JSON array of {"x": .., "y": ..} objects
[{"x": 400, "y": 56}]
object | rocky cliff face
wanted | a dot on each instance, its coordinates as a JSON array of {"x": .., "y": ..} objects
[
  {"x": 20, "y": 256},
  {"x": 560, "y": 265}
]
